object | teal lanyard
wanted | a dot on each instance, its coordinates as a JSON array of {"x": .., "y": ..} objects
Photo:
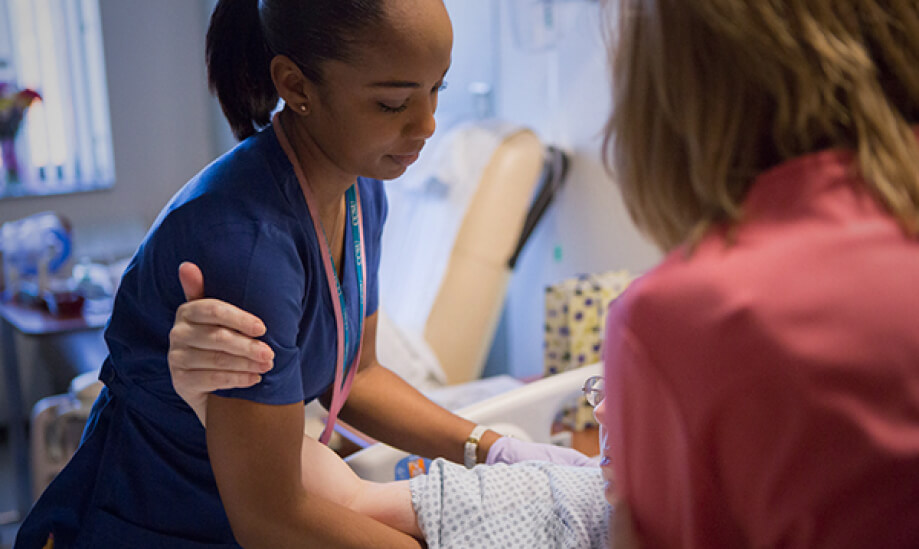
[
  {"x": 344, "y": 374},
  {"x": 354, "y": 221},
  {"x": 344, "y": 370}
]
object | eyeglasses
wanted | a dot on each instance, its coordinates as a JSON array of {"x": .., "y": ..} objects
[{"x": 594, "y": 390}]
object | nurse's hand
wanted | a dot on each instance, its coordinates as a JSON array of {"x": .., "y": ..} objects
[
  {"x": 212, "y": 345},
  {"x": 512, "y": 450}
]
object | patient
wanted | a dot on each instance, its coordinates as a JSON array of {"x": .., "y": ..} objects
[{"x": 527, "y": 504}]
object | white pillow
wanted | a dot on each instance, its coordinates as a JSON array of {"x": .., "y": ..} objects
[{"x": 407, "y": 354}]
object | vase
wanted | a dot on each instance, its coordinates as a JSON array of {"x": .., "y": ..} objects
[{"x": 10, "y": 164}]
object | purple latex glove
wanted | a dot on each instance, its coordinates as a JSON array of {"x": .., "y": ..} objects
[{"x": 512, "y": 450}]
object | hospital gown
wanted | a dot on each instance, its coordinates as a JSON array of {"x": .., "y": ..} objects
[{"x": 524, "y": 505}]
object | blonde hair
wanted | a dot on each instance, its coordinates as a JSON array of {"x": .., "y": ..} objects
[{"x": 709, "y": 93}]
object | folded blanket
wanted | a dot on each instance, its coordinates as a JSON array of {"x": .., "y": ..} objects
[{"x": 525, "y": 505}]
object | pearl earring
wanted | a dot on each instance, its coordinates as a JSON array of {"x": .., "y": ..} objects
[{"x": 303, "y": 107}]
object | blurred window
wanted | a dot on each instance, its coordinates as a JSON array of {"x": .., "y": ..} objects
[{"x": 64, "y": 144}]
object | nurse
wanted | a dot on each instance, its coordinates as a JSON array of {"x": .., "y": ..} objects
[{"x": 286, "y": 225}]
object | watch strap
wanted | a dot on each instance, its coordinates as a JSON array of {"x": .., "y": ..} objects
[{"x": 471, "y": 447}]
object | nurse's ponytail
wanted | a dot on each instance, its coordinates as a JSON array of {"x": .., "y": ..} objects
[
  {"x": 244, "y": 35},
  {"x": 238, "y": 61}
]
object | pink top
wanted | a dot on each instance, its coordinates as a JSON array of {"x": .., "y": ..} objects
[{"x": 766, "y": 393}]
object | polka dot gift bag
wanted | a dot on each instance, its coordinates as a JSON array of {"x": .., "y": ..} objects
[{"x": 575, "y": 324}]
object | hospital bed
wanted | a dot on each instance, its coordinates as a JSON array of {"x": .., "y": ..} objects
[{"x": 526, "y": 412}]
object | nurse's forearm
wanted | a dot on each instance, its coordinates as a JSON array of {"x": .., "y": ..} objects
[{"x": 387, "y": 408}]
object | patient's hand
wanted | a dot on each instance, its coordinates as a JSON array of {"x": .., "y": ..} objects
[{"x": 212, "y": 345}]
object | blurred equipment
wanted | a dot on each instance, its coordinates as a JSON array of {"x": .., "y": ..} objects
[
  {"x": 57, "y": 427},
  {"x": 35, "y": 255}
]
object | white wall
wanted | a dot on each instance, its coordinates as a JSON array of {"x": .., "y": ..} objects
[
  {"x": 161, "y": 122},
  {"x": 476, "y": 36},
  {"x": 564, "y": 94}
]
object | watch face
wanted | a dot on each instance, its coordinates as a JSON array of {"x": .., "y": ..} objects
[{"x": 469, "y": 458}]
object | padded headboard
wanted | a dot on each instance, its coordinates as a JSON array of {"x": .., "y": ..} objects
[{"x": 465, "y": 312}]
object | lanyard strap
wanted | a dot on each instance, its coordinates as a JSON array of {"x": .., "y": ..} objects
[
  {"x": 356, "y": 217},
  {"x": 343, "y": 387},
  {"x": 343, "y": 377}
]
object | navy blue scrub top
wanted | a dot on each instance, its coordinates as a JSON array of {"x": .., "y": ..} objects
[{"x": 142, "y": 476}]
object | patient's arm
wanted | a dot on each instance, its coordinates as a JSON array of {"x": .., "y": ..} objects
[{"x": 326, "y": 475}]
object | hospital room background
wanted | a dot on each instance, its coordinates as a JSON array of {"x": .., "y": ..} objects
[{"x": 537, "y": 64}]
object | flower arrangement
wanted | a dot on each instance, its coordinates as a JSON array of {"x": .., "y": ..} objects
[{"x": 14, "y": 103}]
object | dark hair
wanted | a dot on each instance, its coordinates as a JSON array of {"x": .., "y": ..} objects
[{"x": 244, "y": 35}]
